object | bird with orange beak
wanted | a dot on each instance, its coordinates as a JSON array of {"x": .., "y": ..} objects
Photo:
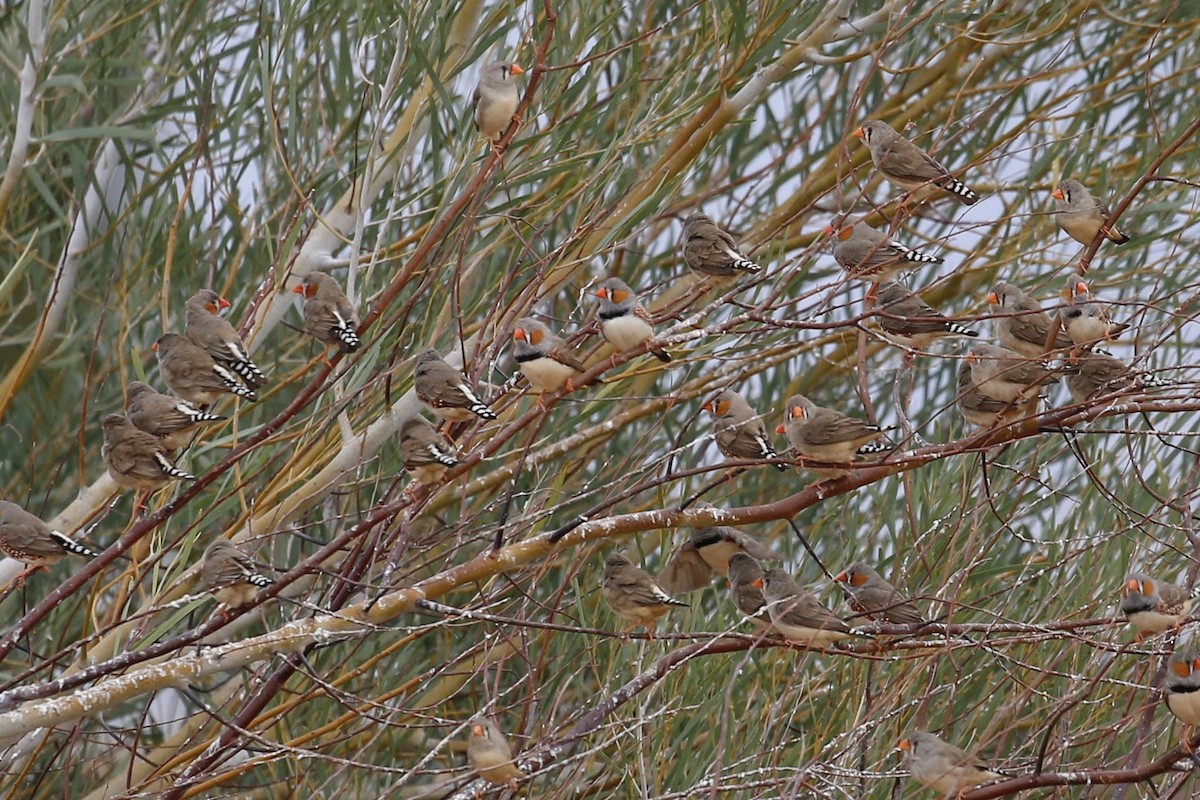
[
  {"x": 329, "y": 316},
  {"x": 624, "y": 323},
  {"x": 543, "y": 358}
]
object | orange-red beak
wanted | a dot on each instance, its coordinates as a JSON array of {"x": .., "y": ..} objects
[
  {"x": 602, "y": 293},
  {"x": 516, "y": 69},
  {"x": 707, "y": 406},
  {"x": 1081, "y": 288},
  {"x": 781, "y": 428},
  {"x": 154, "y": 347},
  {"x": 299, "y": 289},
  {"x": 993, "y": 298},
  {"x": 1057, "y": 194},
  {"x": 758, "y": 583},
  {"x": 905, "y": 745},
  {"x": 520, "y": 335},
  {"x": 860, "y": 133},
  {"x": 222, "y": 303},
  {"x": 828, "y": 230},
  {"x": 477, "y": 730},
  {"x": 842, "y": 577}
]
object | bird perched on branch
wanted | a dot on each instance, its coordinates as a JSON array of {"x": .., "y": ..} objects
[
  {"x": 797, "y": 614},
  {"x": 1098, "y": 374},
  {"x": 943, "y": 767},
  {"x": 740, "y": 432},
  {"x": 329, "y": 317},
  {"x": 745, "y": 584},
  {"x": 909, "y": 321},
  {"x": 496, "y": 99},
  {"x": 866, "y": 254},
  {"x": 136, "y": 459},
  {"x": 624, "y": 323},
  {"x": 1024, "y": 326},
  {"x": 707, "y": 553},
  {"x": 171, "y": 419},
  {"x": 634, "y": 595},
  {"x": 26, "y": 538},
  {"x": 425, "y": 452},
  {"x": 445, "y": 390},
  {"x": 870, "y": 594},
  {"x": 908, "y": 166},
  {"x": 489, "y": 754},
  {"x": 1086, "y": 321},
  {"x": 1183, "y": 685},
  {"x": 1007, "y": 376},
  {"x": 191, "y": 373},
  {"x": 1081, "y": 215},
  {"x": 980, "y": 409},
  {"x": 1153, "y": 606},
  {"x": 230, "y": 574},
  {"x": 209, "y": 331},
  {"x": 711, "y": 252},
  {"x": 543, "y": 358},
  {"x": 827, "y": 435}
]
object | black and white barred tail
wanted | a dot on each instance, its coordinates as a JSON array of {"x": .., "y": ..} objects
[
  {"x": 915, "y": 256},
  {"x": 474, "y": 404},
  {"x": 442, "y": 457},
  {"x": 234, "y": 384},
  {"x": 959, "y": 190},
  {"x": 741, "y": 262},
  {"x": 960, "y": 330},
  {"x": 194, "y": 414},
  {"x": 170, "y": 470},
  {"x": 768, "y": 451},
  {"x": 72, "y": 546},
  {"x": 261, "y": 581}
]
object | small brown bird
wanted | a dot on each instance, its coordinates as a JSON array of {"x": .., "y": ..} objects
[
  {"x": 797, "y": 614},
  {"x": 624, "y": 323},
  {"x": 827, "y": 435},
  {"x": 425, "y": 452},
  {"x": 740, "y": 431},
  {"x": 1007, "y": 376},
  {"x": 1101, "y": 375},
  {"x": 191, "y": 373},
  {"x": 445, "y": 390},
  {"x": 866, "y": 254},
  {"x": 870, "y": 594},
  {"x": 230, "y": 574},
  {"x": 711, "y": 252},
  {"x": 136, "y": 459},
  {"x": 745, "y": 581},
  {"x": 1025, "y": 327},
  {"x": 1081, "y": 215},
  {"x": 1154, "y": 606},
  {"x": 706, "y": 553},
  {"x": 908, "y": 166},
  {"x": 28, "y": 539},
  {"x": 328, "y": 315},
  {"x": 169, "y": 418},
  {"x": 633, "y": 595},
  {"x": 1183, "y": 685},
  {"x": 909, "y": 321},
  {"x": 978, "y": 408},
  {"x": 1086, "y": 321},
  {"x": 489, "y": 754},
  {"x": 543, "y": 358},
  {"x": 942, "y": 766},
  {"x": 496, "y": 98},
  {"x": 208, "y": 330}
]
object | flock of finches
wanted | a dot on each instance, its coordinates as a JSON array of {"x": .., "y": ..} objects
[{"x": 997, "y": 384}]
